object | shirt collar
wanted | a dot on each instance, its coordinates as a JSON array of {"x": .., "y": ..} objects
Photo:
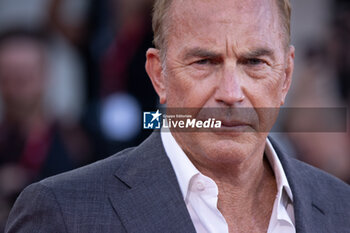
[
  {"x": 184, "y": 169},
  {"x": 284, "y": 196},
  {"x": 275, "y": 163}
]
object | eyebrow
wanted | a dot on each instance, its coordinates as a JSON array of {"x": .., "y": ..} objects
[
  {"x": 260, "y": 52},
  {"x": 199, "y": 52}
]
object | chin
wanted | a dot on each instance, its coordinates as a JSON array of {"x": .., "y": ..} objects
[
  {"x": 229, "y": 151},
  {"x": 227, "y": 148},
  {"x": 221, "y": 147}
]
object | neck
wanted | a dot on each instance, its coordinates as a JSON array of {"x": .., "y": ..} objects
[
  {"x": 246, "y": 184},
  {"x": 246, "y": 192},
  {"x": 247, "y": 201}
]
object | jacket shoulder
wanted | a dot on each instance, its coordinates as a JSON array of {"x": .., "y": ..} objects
[
  {"x": 324, "y": 183},
  {"x": 61, "y": 202},
  {"x": 96, "y": 172}
]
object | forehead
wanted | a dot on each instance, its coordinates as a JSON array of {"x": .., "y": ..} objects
[
  {"x": 21, "y": 50},
  {"x": 215, "y": 7},
  {"x": 211, "y": 21}
]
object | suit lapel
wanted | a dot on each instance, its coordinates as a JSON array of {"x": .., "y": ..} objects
[
  {"x": 148, "y": 197},
  {"x": 309, "y": 206}
]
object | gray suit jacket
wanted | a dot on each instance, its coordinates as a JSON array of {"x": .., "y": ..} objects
[{"x": 137, "y": 191}]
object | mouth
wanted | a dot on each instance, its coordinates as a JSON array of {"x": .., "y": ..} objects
[{"x": 235, "y": 126}]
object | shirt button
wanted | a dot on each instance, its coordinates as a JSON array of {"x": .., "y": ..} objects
[{"x": 200, "y": 186}]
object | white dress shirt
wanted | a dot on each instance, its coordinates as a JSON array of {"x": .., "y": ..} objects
[{"x": 201, "y": 192}]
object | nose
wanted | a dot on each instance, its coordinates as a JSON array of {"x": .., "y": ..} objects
[{"x": 229, "y": 90}]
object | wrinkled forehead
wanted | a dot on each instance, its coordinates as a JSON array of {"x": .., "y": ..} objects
[
  {"x": 215, "y": 7},
  {"x": 198, "y": 16}
]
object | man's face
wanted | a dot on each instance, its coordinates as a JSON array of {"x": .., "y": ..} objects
[
  {"x": 226, "y": 54},
  {"x": 21, "y": 73}
]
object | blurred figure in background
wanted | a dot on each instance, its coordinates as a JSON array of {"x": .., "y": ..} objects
[
  {"x": 121, "y": 34},
  {"x": 323, "y": 80},
  {"x": 317, "y": 88},
  {"x": 341, "y": 48},
  {"x": 33, "y": 144}
]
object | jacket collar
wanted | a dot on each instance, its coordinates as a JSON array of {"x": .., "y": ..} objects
[
  {"x": 149, "y": 198},
  {"x": 310, "y": 208}
]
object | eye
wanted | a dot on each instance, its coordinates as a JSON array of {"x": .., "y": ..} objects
[
  {"x": 253, "y": 61},
  {"x": 207, "y": 61},
  {"x": 202, "y": 62}
]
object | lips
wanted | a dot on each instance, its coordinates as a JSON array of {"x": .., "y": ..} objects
[
  {"x": 228, "y": 123},
  {"x": 234, "y": 127}
]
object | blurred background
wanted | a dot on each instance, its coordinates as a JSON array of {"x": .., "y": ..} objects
[{"x": 73, "y": 85}]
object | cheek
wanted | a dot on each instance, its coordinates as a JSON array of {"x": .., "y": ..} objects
[
  {"x": 265, "y": 92},
  {"x": 185, "y": 90},
  {"x": 265, "y": 97},
  {"x": 276, "y": 88}
]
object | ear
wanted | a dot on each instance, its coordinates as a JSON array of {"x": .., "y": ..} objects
[
  {"x": 288, "y": 73},
  {"x": 155, "y": 72}
]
